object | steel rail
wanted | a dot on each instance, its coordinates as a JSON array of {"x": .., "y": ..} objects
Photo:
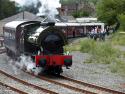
[
  {"x": 92, "y": 85},
  {"x": 61, "y": 84},
  {"x": 13, "y": 89},
  {"x": 28, "y": 84}
]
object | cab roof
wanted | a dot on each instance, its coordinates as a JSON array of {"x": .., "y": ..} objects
[{"x": 13, "y": 24}]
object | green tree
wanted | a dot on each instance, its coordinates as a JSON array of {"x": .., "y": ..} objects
[
  {"x": 7, "y": 8},
  {"x": 94, "y": 1},
  {"x": 108, "y": 11},
  {"x": 72, "y": 1},
  {"x": 122, "y": 21},
  {"x": 81, "y": 13}
]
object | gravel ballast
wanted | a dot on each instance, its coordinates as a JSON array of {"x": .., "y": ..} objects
[
  {"x": 24, "y": 76},
  {"x": 6, "y": 90},
  {"x": 98, "y": 74}
]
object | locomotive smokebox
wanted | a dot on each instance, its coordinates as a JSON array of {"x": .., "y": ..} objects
[{"x": 46, "y": 33}]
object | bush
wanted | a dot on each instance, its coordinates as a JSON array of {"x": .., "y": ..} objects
[
  {"x": 122, "y": 21},
  {"x": 80, "y": 13},
  {"x": 84, "y": 14},
  {"x": 105, "y": 53},
  {"x": 74, "y": 46},
  {"x": 101, "y": 52},
  {"x": 87, "y": 45}
]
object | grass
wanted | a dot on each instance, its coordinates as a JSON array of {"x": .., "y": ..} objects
[
  {"x": 103, "y": 52},
  {"x": 73, "y": 46},
  {"x": 118, "y": 39},
  {"x": 87, "y": 45},
  {"x": 118, "y": 67}
]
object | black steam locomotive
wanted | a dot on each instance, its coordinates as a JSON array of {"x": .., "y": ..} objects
[{"x": 42, "y": 41}]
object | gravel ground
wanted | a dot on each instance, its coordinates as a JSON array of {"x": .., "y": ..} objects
[
  {"x": 98, "y": 74},
  {"x": 18, "y": 85},
  {"x": 6, "y": 90},
  {"x": 20, "y": 74}
]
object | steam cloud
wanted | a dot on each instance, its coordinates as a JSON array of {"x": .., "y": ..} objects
[
  {"x": 47, "y": 8},
  {"x": 25, "y": 63}
]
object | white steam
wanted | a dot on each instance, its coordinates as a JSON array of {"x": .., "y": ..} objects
[
  {"x": 47, "y": 8},
  {"x": 25, "y": 63}
]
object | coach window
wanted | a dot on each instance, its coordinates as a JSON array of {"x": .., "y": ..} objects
[{"x": 7, "y": 34}]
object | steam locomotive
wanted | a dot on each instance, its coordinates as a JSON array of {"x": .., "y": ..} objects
[{"x": 43, "y": 42}]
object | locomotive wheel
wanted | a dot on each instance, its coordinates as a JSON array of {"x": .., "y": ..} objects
[
  {"x": 54, "y": 70},
  {"x": 57, "y": 70}
]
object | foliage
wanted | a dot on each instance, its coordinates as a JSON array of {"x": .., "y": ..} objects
[
  {"x": 122, "y": 20},
  {"x": 70, "y": 1},
  {"x": 104, "y": 53},
  {"x": 94, "y": 1},
  {"x": 86, "y": 45},
  {"x": 66, "y": 1},
  {"x": 75, "y": 15},
  {"x": 74, "y": 1},
  {"x": 81, "y": 13},
  {"x": 118, "y": 39},
  {"x": 101, "y": 52},
  {"x": 73, "y": 47},
  {"x": 7, "y": 8},
  {"x": 108, "y": 11}
]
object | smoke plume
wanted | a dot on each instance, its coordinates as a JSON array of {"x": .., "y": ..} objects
[
  {"x": 48, "y": 7},
  {"x": 25, "y": 63}
]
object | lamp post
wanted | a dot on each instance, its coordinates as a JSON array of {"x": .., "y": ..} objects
[
  {"x": 23, "y": 12},
  {"x": 76, "y": 8},
  {"x": 1, "y": 9}
]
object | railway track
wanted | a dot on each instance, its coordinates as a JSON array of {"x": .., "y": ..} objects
[
  {"x": 87, "y": 87},
  {"x": 92, "y": 85},
  {"x": 27, "y": 84},
  {"x": 12, "y": 88},
  {"x": 66, "y": 85},
  {"x": 76, "y": 89}
]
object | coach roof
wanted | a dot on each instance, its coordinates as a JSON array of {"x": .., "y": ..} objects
[{"x": 13, "y": 24}]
